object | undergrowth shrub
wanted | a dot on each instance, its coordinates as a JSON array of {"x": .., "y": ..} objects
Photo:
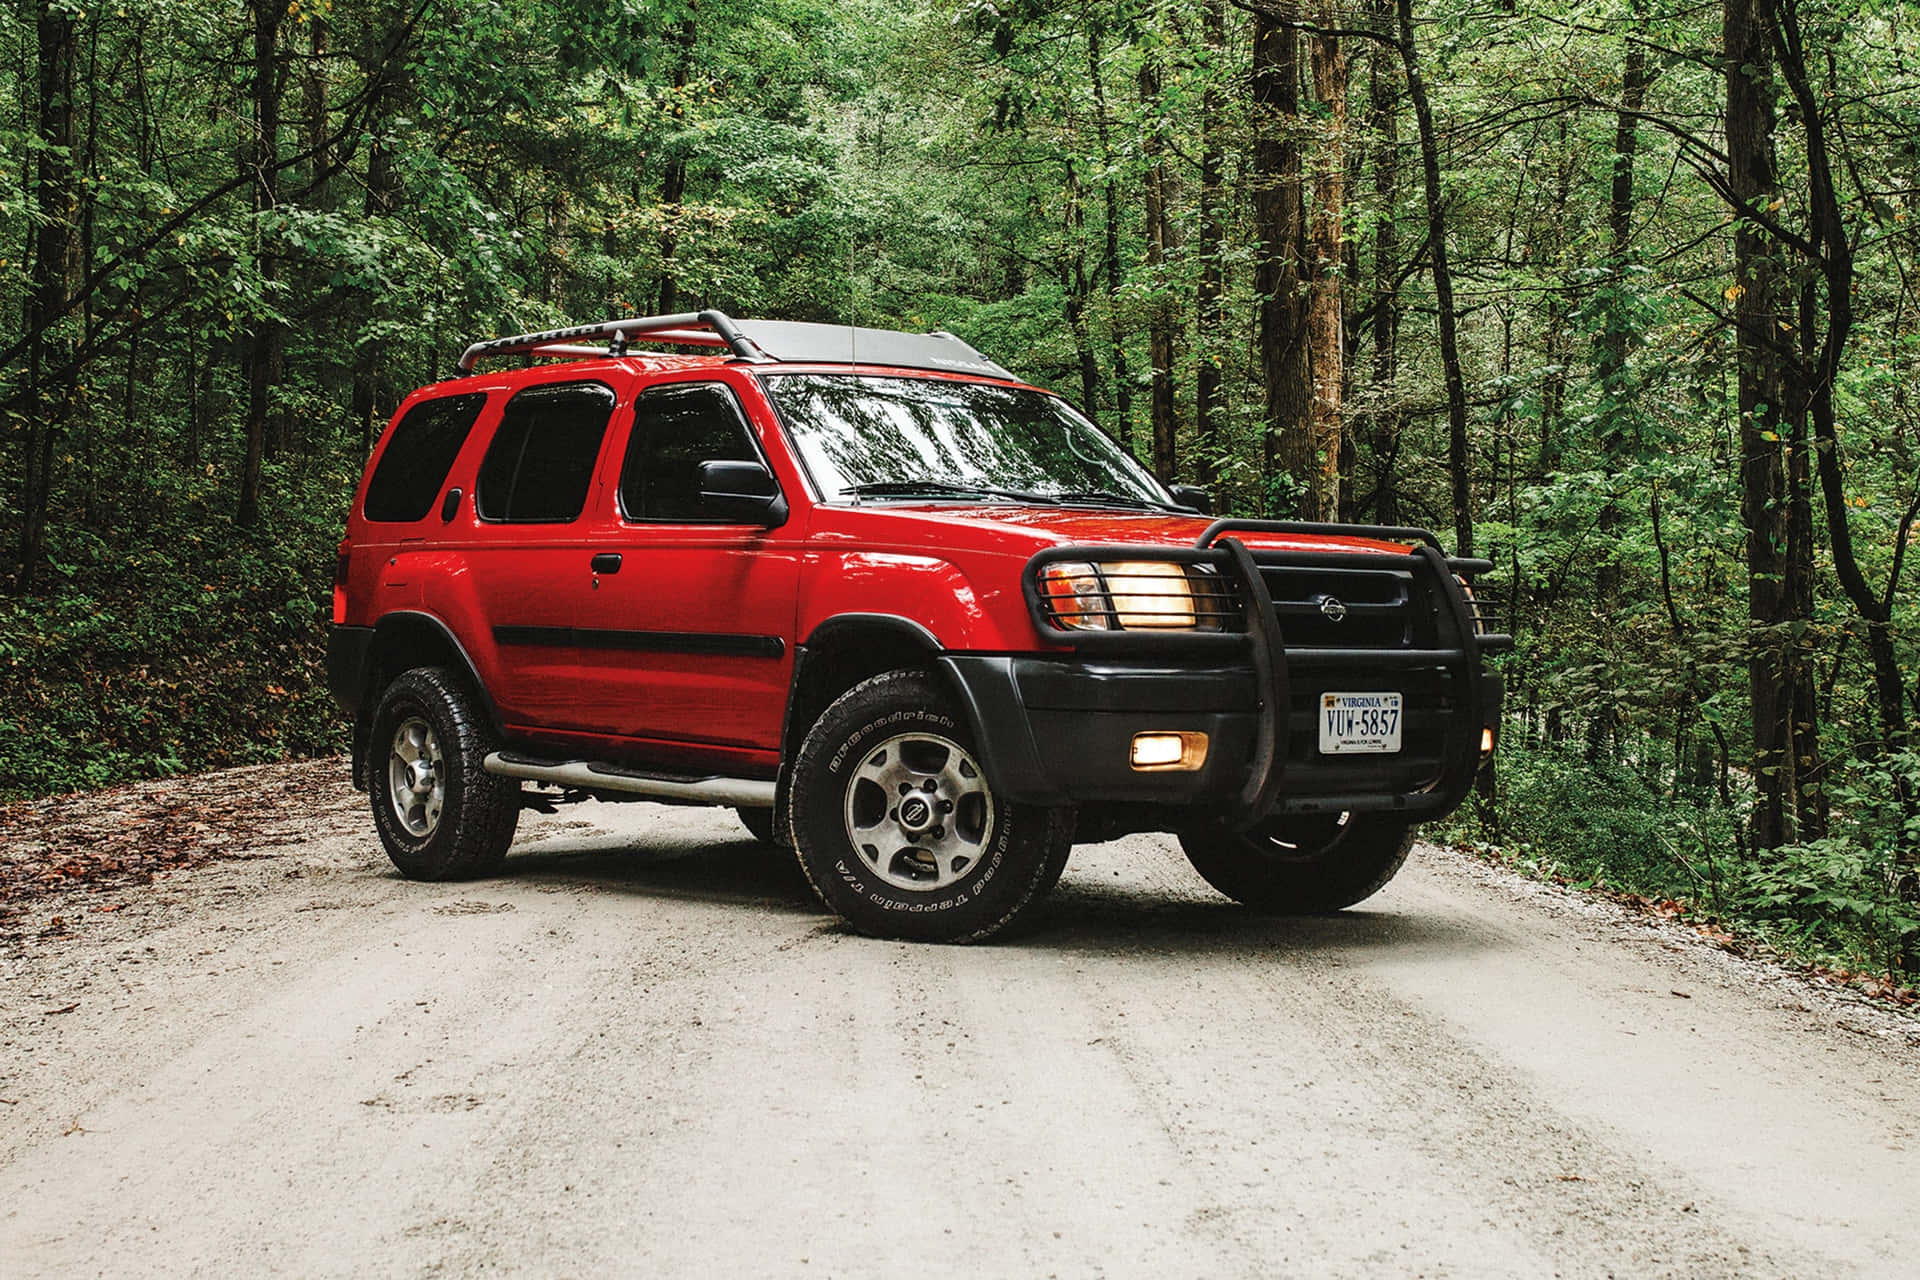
[
  {"x": 178, "y": 644},
  {"x": 1849, "y": 892},
  {"x": 1605, "y": 823},
  {"x": 1846, "y": 898}
]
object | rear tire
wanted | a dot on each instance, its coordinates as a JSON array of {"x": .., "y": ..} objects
[
  {"x": 1300, "y": 864},
  {"x": 440, "y": 814},
  {"x": 899, "y": 832}
]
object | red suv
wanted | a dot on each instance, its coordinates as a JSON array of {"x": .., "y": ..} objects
[{"x": 924, "y": 624}]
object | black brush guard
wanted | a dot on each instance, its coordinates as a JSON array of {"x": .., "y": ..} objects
[{"x": 1254, "y": 627}]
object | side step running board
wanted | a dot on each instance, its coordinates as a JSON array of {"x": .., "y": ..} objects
[{"x": 743, "y": 793}]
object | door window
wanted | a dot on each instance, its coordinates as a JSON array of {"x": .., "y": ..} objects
[
  {"x": 540, "y": 465},
  {"x": 675, "y": 429}
]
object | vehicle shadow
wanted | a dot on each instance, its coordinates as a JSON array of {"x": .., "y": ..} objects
[
  {"x": 1084, "y": 914},
  {"x": 1090, "y": 916},
  {"x": 728, "y": 871}
]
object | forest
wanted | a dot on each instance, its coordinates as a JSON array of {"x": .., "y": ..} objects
[{"x": 1619, "y": 295}]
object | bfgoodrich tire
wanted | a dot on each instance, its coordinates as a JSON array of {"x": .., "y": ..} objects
[
  {"x": 440, "y": 815},
  {"x": 1300, "y": 864},
  {"x": 897, "y": 828}
]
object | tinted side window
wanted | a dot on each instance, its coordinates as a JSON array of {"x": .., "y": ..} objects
[
  {"x": 540, "y": 464},
  {"x": 418, "y": 457},
  {"x": 675, "y": 429}
]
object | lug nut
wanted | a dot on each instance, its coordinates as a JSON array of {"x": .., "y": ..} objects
[{"x": 946, "y": 806}]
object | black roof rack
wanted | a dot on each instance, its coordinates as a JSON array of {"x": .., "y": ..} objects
[{"x": 757, "y": 341}]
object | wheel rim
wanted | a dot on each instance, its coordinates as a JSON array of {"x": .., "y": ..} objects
[
  {"x": 416, "y": 778},
  {"x": 919, "y": 812}
]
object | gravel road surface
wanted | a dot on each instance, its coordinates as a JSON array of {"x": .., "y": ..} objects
[{"x": 645, "y": 1051}]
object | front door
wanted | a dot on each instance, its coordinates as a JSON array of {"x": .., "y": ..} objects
[{"x": 687, "y": 632}]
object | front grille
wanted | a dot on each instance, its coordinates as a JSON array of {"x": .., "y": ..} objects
[{"x": 1342, "y": 608}]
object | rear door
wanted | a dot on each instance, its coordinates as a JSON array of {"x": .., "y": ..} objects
[
  {"x": 529, "y": 554},
  {"x": 687, "y": 635}
]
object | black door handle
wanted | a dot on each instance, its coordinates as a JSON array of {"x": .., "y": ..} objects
[
  {"x": 451, "y": 507},
  {"x": 607, "y": 562}
]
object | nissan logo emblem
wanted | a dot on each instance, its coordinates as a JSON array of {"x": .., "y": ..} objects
[{"x": 1332, "y": 609}]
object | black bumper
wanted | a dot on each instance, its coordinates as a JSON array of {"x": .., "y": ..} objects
[{"x": 1059, "y": 731}]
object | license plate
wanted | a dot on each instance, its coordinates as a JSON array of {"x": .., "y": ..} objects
[{"x": 1356, "y": 723}]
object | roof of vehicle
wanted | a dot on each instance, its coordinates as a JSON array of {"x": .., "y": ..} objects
[{"x": 750, "y": 341}]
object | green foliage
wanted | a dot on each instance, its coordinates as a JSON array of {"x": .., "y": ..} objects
[
  {"x": 186, "y": 646},
  {"x": 1606, "y": 823},
  {"x": 1844, "y": 893}
]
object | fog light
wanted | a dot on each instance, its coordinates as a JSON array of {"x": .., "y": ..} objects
[
  {"x": 1486, "y": 743},
  {"x": 1169, "y": 751}
]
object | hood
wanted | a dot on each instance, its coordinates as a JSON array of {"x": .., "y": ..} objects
[{"x": 1012, "y": 529}]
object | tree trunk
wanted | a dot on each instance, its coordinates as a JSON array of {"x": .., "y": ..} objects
[
  {"x": 261, "y": 155},
  {"x": 1077, "y": 288},
  {"x": 52, "y": 372},
  {"x": 1110, "y": 253},
  {"x": 373, "y": 397},
  {"x": 1458, "y": 462},
  {"x": 1778, "y": 548},
  {"x": 1326, "y": 236},
  {"x": 313, "y": 109},
  {"x": 1279, "y": 281},
  {"x": 1160, "y": 241},
  {"x": 1384, "y": 421},
  {"x": 1209, "y": 313},
  {"x": 673, "y": 183}
]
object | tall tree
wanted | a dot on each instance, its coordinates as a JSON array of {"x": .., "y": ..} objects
[
  {"x": 1209, "y": 309},
  {"x": 1773, "y": 467},
  {"x": 1280, "y": 286},
  {"x": 53, "y": 370},
  {"x": 260, "y": 166},
  {"x": 1160, "y": 238},
  {"x": 1447, "y": 319},
  {"x": 1326, "y": 252}
]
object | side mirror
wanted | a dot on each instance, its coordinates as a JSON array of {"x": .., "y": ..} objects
[
  {"x": 741, "y": 493},
  {"x": 1192, "y": 497}
]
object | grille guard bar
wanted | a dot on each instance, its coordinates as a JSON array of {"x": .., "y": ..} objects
[{"x": 1262, "y": 793}]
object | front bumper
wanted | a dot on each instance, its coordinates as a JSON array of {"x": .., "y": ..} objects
[{"x": 1058, "y": 731}]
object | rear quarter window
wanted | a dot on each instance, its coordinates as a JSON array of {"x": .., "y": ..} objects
[{"x": 418, "y": 456}]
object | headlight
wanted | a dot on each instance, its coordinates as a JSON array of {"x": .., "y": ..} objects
[{"x": 1120, "y": 595}]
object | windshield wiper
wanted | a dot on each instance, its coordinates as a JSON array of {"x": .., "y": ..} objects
[
  {"x": 914, "y": 488},
  {"x": 1110, "y": 499}
]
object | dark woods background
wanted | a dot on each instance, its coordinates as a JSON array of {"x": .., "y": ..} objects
[{"x": 1617, "y": 294}]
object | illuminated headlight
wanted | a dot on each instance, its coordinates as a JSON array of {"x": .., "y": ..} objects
[{"x": 1120, "y": 595}]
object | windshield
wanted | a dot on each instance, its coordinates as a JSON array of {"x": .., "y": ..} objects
[{"x": 915, "y": 437}]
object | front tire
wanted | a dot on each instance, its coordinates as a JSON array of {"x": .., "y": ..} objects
[
  {"x": 1300, "y": 864},
  {"x": 440, "y": 814},
  {"x": 897, "y": 828}
]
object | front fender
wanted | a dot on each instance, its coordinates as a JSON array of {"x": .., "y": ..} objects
[{"x": 933, "y": 593}]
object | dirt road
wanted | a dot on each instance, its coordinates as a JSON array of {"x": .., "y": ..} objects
[{"x": 646, "y": 1052}]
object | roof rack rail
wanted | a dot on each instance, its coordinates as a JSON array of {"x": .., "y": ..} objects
[{"x": 691, "y": 329}]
